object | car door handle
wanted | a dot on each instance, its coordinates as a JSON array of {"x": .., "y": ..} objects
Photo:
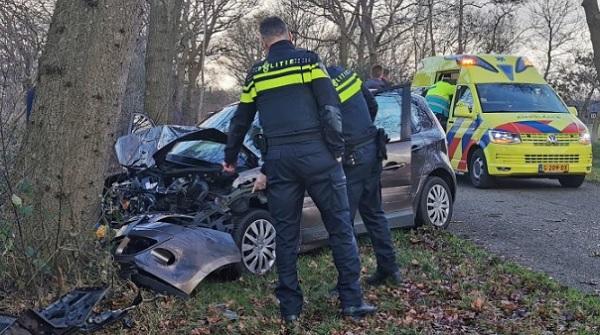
[{"x": 390, "y": 166}]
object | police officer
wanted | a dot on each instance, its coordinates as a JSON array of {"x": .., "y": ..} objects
[
  {"x": 362, "y": 165},
  {"x": 300, "y": 116}
]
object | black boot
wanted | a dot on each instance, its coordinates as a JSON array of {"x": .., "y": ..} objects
[
  {"x": 380, "y": 278},
  {"x": 290, "y": 320},
  {"x": 358, "y": 312}
]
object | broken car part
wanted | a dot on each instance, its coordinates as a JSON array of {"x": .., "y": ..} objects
[
  {"x": 171, "y": 253},
  {"x": 70, "y": 314}
]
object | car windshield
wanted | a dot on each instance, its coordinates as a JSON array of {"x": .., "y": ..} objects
[
  {"x": 203, "y": 151},
  {"x": 519, "y": 98},
  {"x": 219, "y": 120}
]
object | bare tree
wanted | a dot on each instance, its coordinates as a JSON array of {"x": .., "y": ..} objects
[
  {"x": 161, "y": 51},
  {"x": 202, "y": 22},
  {"x": 67, "y": 145},
  {"x": 592, "y": 14},
  {"x": 554, "y": 25}
]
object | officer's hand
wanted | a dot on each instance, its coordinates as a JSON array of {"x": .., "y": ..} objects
[
  {"x": 260, "y": 183},
  {"x": 339, "y": 159},
  {"x": 229, "y": 168}
]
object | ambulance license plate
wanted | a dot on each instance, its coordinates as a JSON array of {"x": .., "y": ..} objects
[{"x": 555, "y": 168}]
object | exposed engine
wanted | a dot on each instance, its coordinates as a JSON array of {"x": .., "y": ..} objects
[{"x": 207, "y": 196}]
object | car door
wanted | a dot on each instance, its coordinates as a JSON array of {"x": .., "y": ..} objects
[
  {"x": 396, "y": 175},
  {"x": 458, "y": 127}
]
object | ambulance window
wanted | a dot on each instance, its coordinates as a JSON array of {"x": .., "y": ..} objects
[{"x": 464, "y": 95}]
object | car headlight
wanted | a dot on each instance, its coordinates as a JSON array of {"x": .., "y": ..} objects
[
  {"x": 504, "y": 137},
  {"x": 585, "y": 138}
]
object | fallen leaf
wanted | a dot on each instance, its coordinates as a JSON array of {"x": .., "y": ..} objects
[{"x": 16, "y": 200}]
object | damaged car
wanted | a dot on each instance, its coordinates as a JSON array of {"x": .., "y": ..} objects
[{"x": 180, "y": 217}]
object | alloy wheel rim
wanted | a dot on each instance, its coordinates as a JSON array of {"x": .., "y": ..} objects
[
  {"x": 477, "y": 168},
  {"x": 438, "y": 205},
  {"x": 258, "y": 246}
]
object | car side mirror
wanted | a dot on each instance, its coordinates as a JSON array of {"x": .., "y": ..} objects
[
  {"x": 462, "y": 110},
  {"x": 573, "y": 110}
]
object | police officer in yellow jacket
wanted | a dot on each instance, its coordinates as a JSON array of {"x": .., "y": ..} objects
[
  {"x": 299, "y": 112},
  {"x": 363, "y": 167}
]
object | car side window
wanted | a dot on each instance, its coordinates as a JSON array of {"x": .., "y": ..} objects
[
  {"x": 464, "y": 95},
  {"x": 388, "y": 115},
  {"x": 420, "y": 120}
]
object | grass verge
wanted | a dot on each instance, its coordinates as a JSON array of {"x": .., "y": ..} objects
[{"x": 451, "y": 287}]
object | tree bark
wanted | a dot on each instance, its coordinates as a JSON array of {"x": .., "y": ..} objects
[
  {"x": 163, "y": 36},
  {"x": 68, "y": 143},
  {"x": 461, "y": 9},
  {"x": 592, "y": 15}
]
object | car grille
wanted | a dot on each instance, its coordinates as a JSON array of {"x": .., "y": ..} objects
[
  {"x": 542, "y": 139},
  {"x": 536, "y": 158},
  {"x": 529, "y": 159}
]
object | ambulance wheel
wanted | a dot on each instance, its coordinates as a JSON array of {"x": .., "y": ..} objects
[
  {"x": 478, "y": 172},
  {"x": 255, "y": 234},
  {"x": 571, "y": 181}
]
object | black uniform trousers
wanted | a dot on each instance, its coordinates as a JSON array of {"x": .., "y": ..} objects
[
  {"x": 291, "y": 170},
  {"x": 364, "y": 194}
]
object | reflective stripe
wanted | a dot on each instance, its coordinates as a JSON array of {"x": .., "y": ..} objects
[
  {"x": 293, "y": 75},
  {"x": 351, "y": 90},
  {"x": 281, "y": 71},
  {"x": 318, "y": 73},
  {"x": 346, "y": 83},
  {"x": 248, "y": 97},
  {"x": 438, "y": 105},
  {"x": 290, "y": 79}
]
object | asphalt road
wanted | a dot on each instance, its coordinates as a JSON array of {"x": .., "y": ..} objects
[{"x": 538, "y": 224}]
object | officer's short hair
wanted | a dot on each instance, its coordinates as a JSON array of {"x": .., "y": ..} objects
[
  {"x": 376, "y": 71},
  {"x": 272, "y": 26}
]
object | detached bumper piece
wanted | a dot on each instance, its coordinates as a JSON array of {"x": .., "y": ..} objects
[
  {"x": 172, "y": 254},
  {"x": 71, "y": 314}
]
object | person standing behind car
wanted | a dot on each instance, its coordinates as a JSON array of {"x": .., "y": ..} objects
[
  {"x": 376, "y": 82},
  {"x": 363, "y": 166},
  {"x": 300, "y": 116}
]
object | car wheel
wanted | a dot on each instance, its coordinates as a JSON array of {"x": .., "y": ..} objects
[
  {"x": 255, "y": 236},
  {"x": 436, "y": 203},
  {"x": 478, "y": 172},
  {"x": 571, "y": 181}
]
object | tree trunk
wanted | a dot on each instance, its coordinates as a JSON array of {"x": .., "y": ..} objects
[
  {"x": 592, "y": 15},
  {"x": 430, "y": 24},
  {"x": 82, "y": 78},
  {"x": 461, "y": 8},
  {"x": 163, "y": 35}
]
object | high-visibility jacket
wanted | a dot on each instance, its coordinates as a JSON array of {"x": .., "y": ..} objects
[{"x": 438, "y": 97}]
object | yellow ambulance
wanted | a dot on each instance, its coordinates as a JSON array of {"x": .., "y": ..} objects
[{"x": 506, "y": 121}]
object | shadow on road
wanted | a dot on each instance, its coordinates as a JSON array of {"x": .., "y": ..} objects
[{"x": 517, "y": 183}]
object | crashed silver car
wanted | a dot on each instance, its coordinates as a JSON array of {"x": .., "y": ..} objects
[{"x": 178, "y": 217}]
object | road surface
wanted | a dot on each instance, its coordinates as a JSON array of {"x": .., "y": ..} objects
[{"x": 538, "y": 224}]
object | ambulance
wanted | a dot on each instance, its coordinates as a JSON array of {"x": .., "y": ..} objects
[{"x": 506, "y": 121}]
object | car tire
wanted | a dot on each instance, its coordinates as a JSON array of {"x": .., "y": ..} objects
[
  {"x": 436, "y": 205},
  {"x": 478, "y": 172},
  {"x": 254, "y": 234},
  {"x": 571, "y": 181}
]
